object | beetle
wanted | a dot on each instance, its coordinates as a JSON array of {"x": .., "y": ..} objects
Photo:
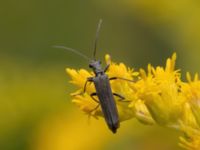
[{"x": 102, "y": 86}]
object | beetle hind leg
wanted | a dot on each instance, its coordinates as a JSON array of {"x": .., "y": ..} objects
[
  {"x": 92, "y": 95},
  {"x": 94, "y": 109},
  {"x": 121, "y": 98}
]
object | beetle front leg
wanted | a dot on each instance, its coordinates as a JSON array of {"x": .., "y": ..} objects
[
  {"x": 89, "y": 80},
  {"x": 106, "y": 68}
]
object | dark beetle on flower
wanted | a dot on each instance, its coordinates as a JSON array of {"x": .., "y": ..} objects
[{"x": 102, "y": 87}]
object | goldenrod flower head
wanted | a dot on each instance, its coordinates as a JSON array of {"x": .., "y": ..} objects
[
  {"x": 159, "y": 88},
  {"x": 188, "y": 118},
  {"x": 88, "y": 105},
  {"x": 192, "y": 93},
  {"x": 155, "y": 96},
  {"x": 142, "y": 113}
]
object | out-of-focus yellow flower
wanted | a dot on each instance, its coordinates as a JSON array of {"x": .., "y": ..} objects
[
  {"x": 159, "y": 88},
  {"x": 122, "y": 87},
  {"x": 59, "y": 132}
]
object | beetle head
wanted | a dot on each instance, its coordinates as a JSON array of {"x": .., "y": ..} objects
[{"x": 96, "y": 66}]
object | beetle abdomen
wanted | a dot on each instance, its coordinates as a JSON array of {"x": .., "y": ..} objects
[{"x": 107, "y": 101}]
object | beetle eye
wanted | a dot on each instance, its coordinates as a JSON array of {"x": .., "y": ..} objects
[{"x": 90, "y": 65}]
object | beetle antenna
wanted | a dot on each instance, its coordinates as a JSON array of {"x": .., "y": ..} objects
[
  {"x": 72, "y": 50},
  {"x": 96, "y": 38}
]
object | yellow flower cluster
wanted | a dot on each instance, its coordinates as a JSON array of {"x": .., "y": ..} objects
[{"x": 157, "y": 96}]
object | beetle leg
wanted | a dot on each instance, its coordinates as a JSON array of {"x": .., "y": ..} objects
[
  {"x": 92, "y": 96},
  {"x": 115, "y": 78},
  {"x": 121, "y": 98},
  {"x": 95, "y": 108},
  {"x": 90, "y": 79},
  {"x": 106, "y": 68}
]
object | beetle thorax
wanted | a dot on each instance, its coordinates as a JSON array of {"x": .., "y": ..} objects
[{"x": 96, "y": 67}]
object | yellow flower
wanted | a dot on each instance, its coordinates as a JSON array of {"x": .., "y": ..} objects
[
  {"x": 121, "y": 87},
  {"x": 188, "y": 125},
  {"x": 159, "y": 88},
  {"x": 142, "y": 113},
  {"x": 188, "y": 118},
  {"x": 154, "y": 96},
  {"x": 191, "y": 139},
  {"x": 192, "y": 92}
]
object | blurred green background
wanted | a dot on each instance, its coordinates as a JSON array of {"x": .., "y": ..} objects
[{"x": 35, "y": 107}]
